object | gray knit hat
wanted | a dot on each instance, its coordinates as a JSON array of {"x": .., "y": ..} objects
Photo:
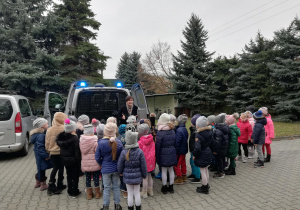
[
  {"x": 88, "y": 129},
  {"x": 143, "y": 129},
  {"x": 39, "y": 122},
  {"x": 100, "y": 129},
  {"x": 172, "y": 119},
  {"x": 182, "y": 119},
  {"x": 211, "y": 119},
  {"x": 73, "y": 118},
  {"x": 84, "y": 119},
  {"x": 201, "y": 122},
  {"x": 131, "y": 140},
  {"x": 220, "y": 118},
  {"x": 131, "y": 119},
  {"x": 70, "y": 126}
]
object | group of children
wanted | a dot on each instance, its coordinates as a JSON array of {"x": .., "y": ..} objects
[{"x": 125, "y": 157}]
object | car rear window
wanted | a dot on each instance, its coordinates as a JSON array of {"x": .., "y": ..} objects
[
  {"x": 100, "y": 104},
  {"x": 6, "y": 109}
]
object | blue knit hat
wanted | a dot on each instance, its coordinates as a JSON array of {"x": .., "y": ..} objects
[
  {"x": 194, "y": 119},
  {"x": 122, "y": 129},
  {"x": 258, "y": 114}
]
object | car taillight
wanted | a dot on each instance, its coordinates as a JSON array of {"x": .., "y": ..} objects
[{"x": 18, "y": 123}]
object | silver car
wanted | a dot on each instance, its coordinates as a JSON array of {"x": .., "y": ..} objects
[{"x": 16, "y": 118}]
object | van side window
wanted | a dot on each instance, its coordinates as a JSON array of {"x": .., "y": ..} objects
[
  {"x": 6, "y": 109},
  {"x": 24, "y": 108}
]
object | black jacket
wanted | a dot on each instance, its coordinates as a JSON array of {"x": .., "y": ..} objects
[
  {"x": 69, "y": 149},
  {"x": 258, "y": 135},
  {"x": 192, "y": 139},
  {"x": 222, "y": 131},
  {"x": 123, "y": 111}
]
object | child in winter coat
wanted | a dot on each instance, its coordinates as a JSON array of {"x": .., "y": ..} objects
[
  {"x": 246, "y": 132},
  {"x": 153, "y": 130},
  {"x": 121, "y": 137},
  {"x": 181, "y": 149},
  {"x": 195, "y": 176},
  {"x": 95, "y": 123},
  {"x": 202, "y": 153},
  {"x": 70, "y": 156},
  {"x": 232, "y": 150},
  {"x": 221, "y": 135},
  {"x": 107, "y": 155},
  {"x": 54, "y": 150},
  {"x": 99, "y": 130},
  {"x": 132, "y": 166},
  {"x": 251, "y": 149},
  {"x": 147, "y": 145},
  {"x": 165, "y": 151},
  {"x": 43, "y": 161},
  {"x": 82, "y": 121},
  {"x": 89, "y": 165},
  {"x": 258, "y": 136},
  {"x": 269, "y": 129}
]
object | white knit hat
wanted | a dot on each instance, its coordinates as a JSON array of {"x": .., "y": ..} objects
[
  {"x": 39, "y": 122},
  {"x": 84, "y": 119},
  {"x": 88, "y": 129},
  {"x": 164, "y": 119},
  {"x": 201, "y": 122}
]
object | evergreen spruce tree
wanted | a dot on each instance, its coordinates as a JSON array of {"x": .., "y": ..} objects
[
  {"x": 127, "y": 69},
  {"x": 190, "y": 66},
  {"x": 286, "y": 72},
  {"x": 25, "y": 66},
  {"x": 251, "y": 84},
  {"x": 82, "y": 58}
]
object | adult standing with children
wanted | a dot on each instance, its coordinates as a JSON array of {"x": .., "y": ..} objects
[{"x": 125, "y": 111}]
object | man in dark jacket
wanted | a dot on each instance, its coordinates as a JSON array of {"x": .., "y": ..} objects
[
  {"x": 71, "y": 156},
  {"x": 125, "y": 111},
  {"x": 258, "y": 137}
]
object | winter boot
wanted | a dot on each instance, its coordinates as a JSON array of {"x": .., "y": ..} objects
[
  {"x": 150, "y": 192},
  {"x": 61, "y": 186},
  {"x": 118, "y": 207},
  {"x": 178, "y": 180},
  {"x": 230, "y": 171},
  {"x": 37, "y": 184},
  {"x": 203, "y": 189},
  {"x": 52, "y": 189},
  {"x": 144, "y": 194},
  {"x": 164, "y": 189},
  {"x": 138, "y": 207},
  {"x": 268, "y": 158},
  {"x": 98, "y": 193},
  {"x": 245, "y": 159},
  {"x": 130, "y": 208},
  {"x": 89, "y": 193},
  {"x": 44, "y": 186},
  {"x": 171, "y": 189},
  {"x": 105, "y": 208},
  {"x": 258, "y": 164},
  {"x": 184, "y": 178}
]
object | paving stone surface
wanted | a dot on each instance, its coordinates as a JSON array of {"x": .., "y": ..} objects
[{"x": 277, "y": 186}]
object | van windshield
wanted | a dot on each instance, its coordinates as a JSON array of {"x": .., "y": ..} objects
[
  {"x": 6, "y": 109},
  {"x": 100, "y": 104}
]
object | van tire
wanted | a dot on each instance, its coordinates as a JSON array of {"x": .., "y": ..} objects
[{"x": 24, "y": 151}]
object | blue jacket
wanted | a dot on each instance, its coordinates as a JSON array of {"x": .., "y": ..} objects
[
  {"x": 181, "y": 139},
  {"x": 104, "y": 158},
  {"x": 38, "y": 140},
  {"x": 165, "y": 150},
  {"x": 258, "y": 135},
  {"x": 135, "y": 169},
  {"x": 221, "y": 132},
  {"x": 202, "y": 152}
]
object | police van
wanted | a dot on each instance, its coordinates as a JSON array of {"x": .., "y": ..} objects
[{"x": 98, "y": 102}]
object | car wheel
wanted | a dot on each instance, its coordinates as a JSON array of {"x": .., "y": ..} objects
[{"x": 24, "y": 151}]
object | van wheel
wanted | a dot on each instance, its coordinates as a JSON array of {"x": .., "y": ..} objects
[{"x": 24, "y": 151}]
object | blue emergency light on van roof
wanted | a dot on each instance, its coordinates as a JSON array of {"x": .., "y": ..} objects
[
  {"x": 82, "y": 84},
  {"x": 119, "y": 84}
]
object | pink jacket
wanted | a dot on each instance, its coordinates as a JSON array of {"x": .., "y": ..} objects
[
  {"x": 269, "y": 129},
  {"x": 246, "y": 131},
  {"x": 147, "y": 145},
  {"x": 88, "y": 146}
]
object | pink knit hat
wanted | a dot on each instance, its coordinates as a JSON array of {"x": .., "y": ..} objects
[
  {"x": 264, "y": 110},
  {"x": 230, "y": 119}
]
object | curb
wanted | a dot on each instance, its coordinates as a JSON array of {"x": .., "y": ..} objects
[{"x": 294, "y": 137}]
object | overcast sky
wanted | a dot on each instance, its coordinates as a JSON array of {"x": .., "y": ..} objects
[{"x": 135, "y": 25}]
